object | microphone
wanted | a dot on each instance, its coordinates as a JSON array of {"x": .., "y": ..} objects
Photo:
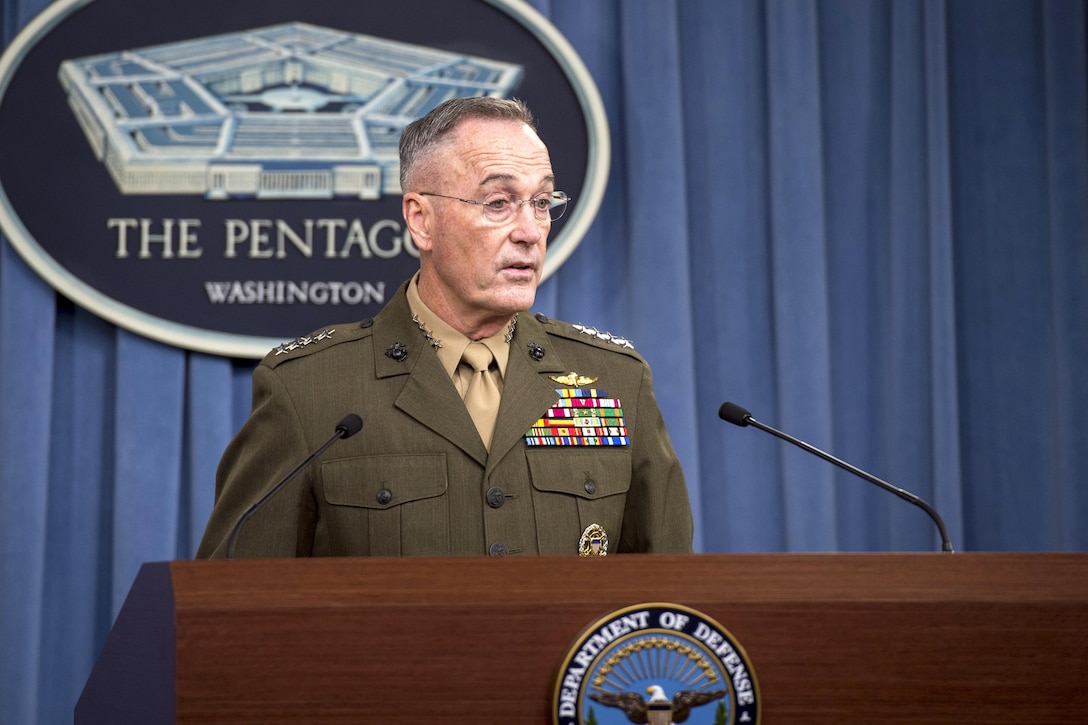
[
  {"x": 346, "y": 428},
  {"x": 733, "y": 413}
]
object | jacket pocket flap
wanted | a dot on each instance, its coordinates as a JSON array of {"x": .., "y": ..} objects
[
  {"x": 380, "y": 482},
  {"x": 589, "y": 473}
]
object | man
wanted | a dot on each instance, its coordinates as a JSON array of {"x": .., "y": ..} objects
[{"x": 552, "y": 444}]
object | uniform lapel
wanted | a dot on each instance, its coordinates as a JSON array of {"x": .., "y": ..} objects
[
  {"x": 428, "y": 394},
  {"x": 527, "y": 392},
  {"x": 429, "y": 397}
]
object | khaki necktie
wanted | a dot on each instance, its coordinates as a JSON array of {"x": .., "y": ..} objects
[{"x": 482, "y": 393}]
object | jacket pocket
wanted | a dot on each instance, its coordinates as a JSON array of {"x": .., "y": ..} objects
[
  {"x": 387, "y": 505},
  {"x": 574, "y": 488}
]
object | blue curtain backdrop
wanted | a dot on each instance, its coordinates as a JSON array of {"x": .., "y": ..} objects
[{"x": 866, "y": 221}]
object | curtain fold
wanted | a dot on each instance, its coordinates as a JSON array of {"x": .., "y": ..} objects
[
  {"x": 862, "y": 220},
  {"x": 728, "y": 219},
  {"x": 859, "y": 109},
  {"x": 1066, "y": 187},
  {"x": 944, "y": 423},
  {"x": 657, "y": 260},
  {"x": 147, "y": 447},
  {"x": 798, "y": 243},
  {"x": 27, "y": 321},
  {"x": 76, "y": 600}
]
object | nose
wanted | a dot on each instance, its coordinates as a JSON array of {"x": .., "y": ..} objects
[{"x": 527, "y": 227}]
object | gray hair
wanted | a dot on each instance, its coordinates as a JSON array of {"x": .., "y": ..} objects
[{"x": 421, "y": 136}]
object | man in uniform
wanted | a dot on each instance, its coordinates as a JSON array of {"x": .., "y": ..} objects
[{"x": 487, "y": 430}]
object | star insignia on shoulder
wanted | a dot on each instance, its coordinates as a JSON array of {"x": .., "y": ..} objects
[
  {"x": 573, "y": 379},
  {"x": 604, "y": 336},
  {"x": 304, "y": 341}
]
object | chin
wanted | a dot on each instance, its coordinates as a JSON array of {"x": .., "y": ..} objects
[{"x": 515, "y": 300}]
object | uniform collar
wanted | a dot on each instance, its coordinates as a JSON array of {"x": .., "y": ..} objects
[{"x": 453, "y": 343}]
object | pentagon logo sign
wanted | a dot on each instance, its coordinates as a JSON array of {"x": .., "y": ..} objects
[
  {"x": 655, "y": 663},
  {"x": 223, "y": 176}
]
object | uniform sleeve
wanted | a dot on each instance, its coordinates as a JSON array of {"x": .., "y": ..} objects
[
  {"x": 657, "y": 518},
  {"x": 268, "y": 446}
]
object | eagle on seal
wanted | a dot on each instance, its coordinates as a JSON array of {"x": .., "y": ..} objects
[{"x": 638, "y": 710}]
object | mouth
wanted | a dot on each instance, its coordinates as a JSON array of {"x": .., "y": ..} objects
[{"x": 520, "y": 268}]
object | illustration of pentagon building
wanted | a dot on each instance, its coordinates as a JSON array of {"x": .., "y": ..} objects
[{"x": 288, "y": 111}]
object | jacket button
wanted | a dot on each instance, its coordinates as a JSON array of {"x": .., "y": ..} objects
[
  {"x": 495, "y": 497},
  {"x": 384, "y": 496},
  {"x": 498, "y": 549},
  {"x": 590, "y": 486}
]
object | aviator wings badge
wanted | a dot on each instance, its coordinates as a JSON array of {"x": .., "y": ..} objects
[{"x": 573, "y": 378}]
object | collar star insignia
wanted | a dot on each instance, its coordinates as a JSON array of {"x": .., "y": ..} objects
[
  {"x": 431, "y": 339},
  {"x": 573, "y": 379}
]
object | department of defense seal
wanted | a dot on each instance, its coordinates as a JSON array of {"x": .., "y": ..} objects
[{"x": 655, "y": 663}]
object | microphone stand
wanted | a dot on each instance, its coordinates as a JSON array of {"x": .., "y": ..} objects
[
  {"x": 349, "y": 426},
  {"x": 739, "y": 416}
]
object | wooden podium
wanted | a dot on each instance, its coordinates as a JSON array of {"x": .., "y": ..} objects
[{"x": 876, "y": 638}]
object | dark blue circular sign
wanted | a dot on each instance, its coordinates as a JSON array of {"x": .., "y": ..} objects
[{"x": 224, "y": 176}]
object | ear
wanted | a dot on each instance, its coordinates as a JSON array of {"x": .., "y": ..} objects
[{"x": 419, "y": 216}]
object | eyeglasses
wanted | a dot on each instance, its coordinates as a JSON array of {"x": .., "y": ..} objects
[{"x": 500, "y": 208}]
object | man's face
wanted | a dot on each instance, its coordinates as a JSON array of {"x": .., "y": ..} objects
[{"x": 475, "y": 272}]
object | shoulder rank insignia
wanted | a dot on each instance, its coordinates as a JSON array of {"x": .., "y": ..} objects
[
  {"x": 594, "y": 541},
  {"x": 573, "y": 378},
  {"x": 303, "y": 341},
  {"x": 604, "y": 336}
]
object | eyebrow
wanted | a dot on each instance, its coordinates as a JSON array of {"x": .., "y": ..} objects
[{"x": 549, "y": 179}]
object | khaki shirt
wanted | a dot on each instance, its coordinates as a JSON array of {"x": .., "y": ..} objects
[
  {"x": 452, "y": 343},
  {"x": 417, "y": 480}
]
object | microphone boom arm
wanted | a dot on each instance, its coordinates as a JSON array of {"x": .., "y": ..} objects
[
  {"x": 737, "y": 415},
  {"x": 349, "y": 426}
]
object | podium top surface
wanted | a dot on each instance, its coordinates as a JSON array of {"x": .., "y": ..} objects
[{"x": 993, "y": 577}]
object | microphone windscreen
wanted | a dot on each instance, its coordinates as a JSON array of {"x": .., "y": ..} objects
[
  {"x": 733, "y": 413},
  {"x": 350, "y": 425}
]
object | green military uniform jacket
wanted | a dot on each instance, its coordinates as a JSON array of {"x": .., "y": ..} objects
[{"x": 417, "y": 480}]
